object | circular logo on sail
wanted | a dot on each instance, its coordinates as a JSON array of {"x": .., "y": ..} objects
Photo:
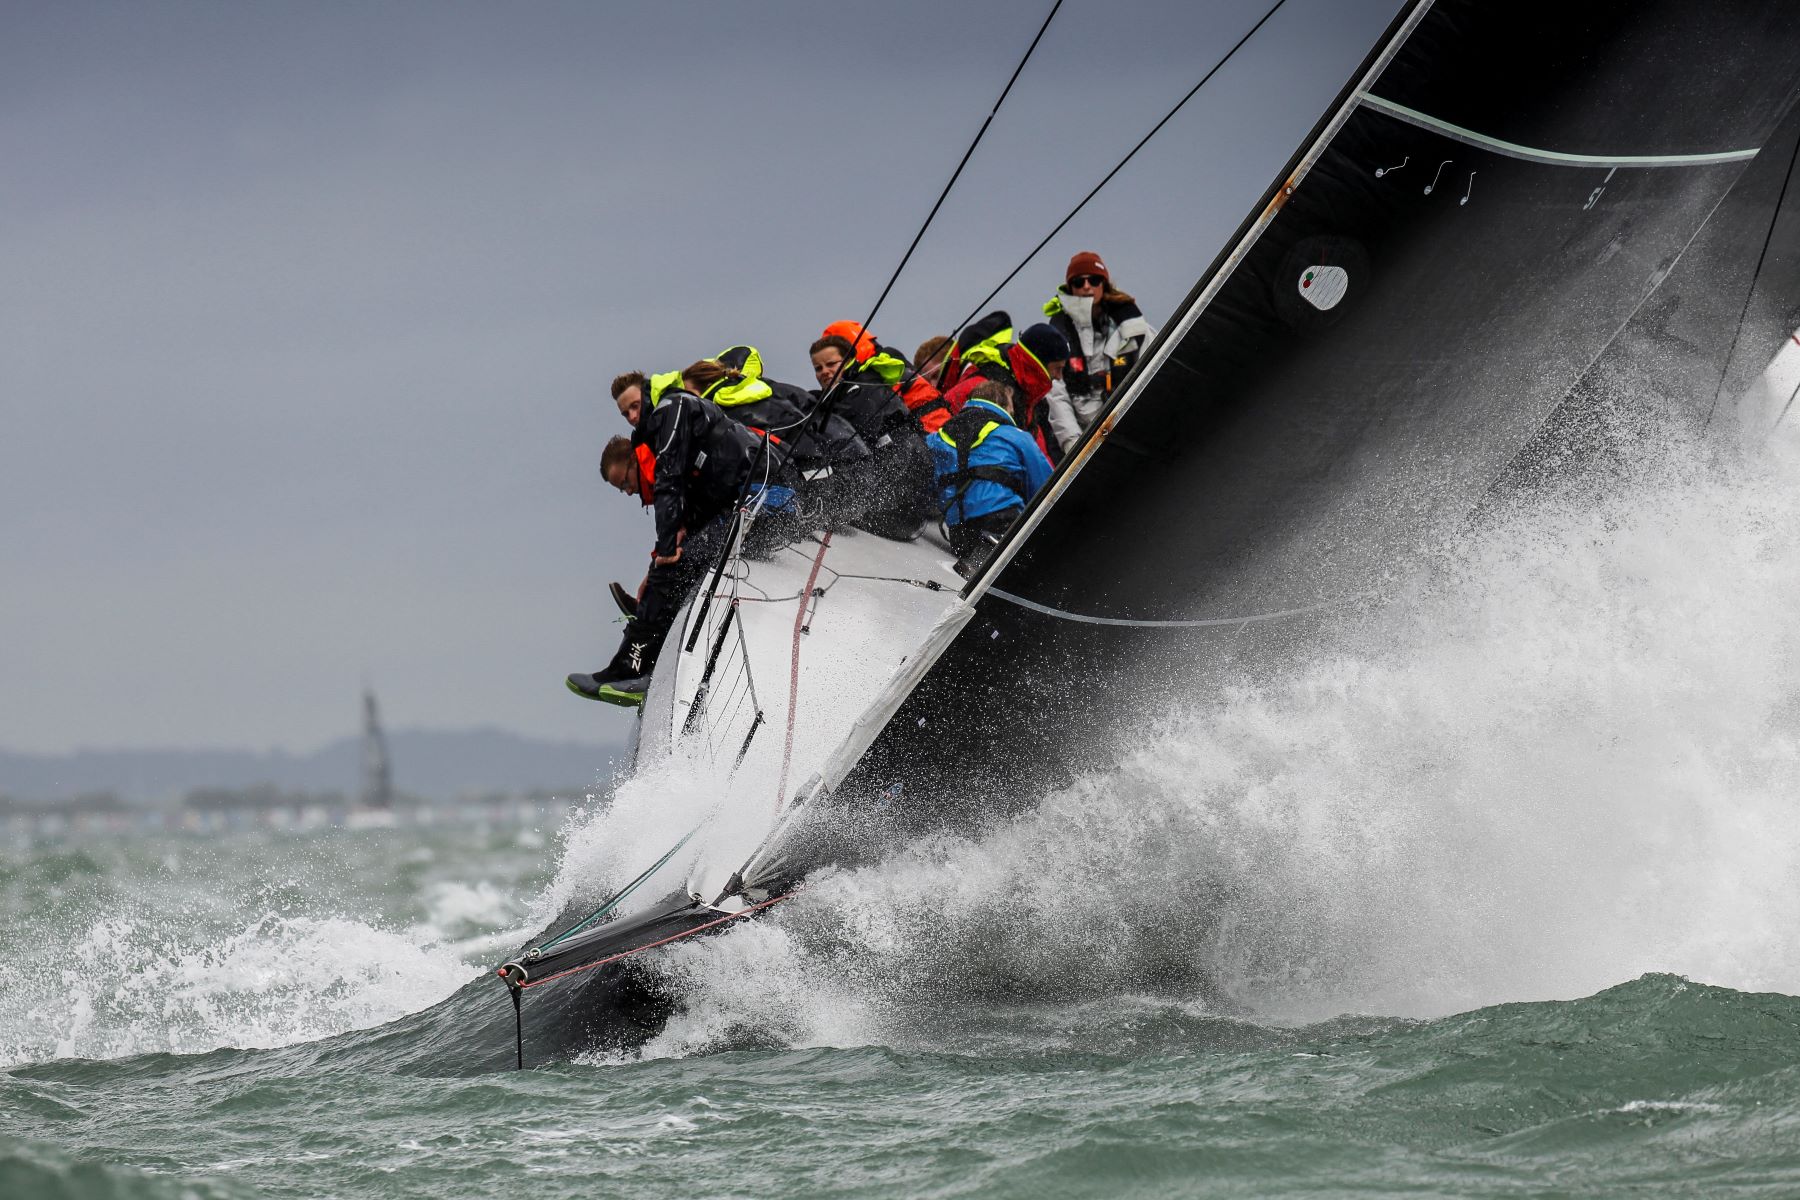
[{"x": 1323, "y": 287}]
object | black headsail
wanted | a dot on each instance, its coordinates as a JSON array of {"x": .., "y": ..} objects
[{"x": 1495, "y": 195}]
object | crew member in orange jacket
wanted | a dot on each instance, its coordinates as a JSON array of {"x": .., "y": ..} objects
[{"x": 877, "y": 364}]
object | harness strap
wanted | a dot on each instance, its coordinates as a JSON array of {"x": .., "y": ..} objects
[
  {"x": 966, "y": 475},
  {"x": 926, "y": 408},
  {"x": 962, "y": 433}
]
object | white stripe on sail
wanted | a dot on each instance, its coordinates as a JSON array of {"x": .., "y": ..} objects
[
  {"x": 1133, "y": 623},
  {"x": 1555, "y": 158}
]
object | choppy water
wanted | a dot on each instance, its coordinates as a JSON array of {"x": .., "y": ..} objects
[{"x": 1497, "y": 898}]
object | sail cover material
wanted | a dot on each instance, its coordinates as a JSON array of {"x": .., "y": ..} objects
[{"x": 1496, "y": 194}]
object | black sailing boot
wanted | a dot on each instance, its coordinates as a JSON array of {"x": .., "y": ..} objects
[{"x": 623, "y": 681}]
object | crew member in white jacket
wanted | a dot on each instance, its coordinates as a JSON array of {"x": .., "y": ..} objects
[{"x": 1106, "y": 332}]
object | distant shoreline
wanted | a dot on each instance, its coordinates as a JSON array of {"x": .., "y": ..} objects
[
  {"x": 50, "y": 823},
  {"x": 442, "y": 766}
]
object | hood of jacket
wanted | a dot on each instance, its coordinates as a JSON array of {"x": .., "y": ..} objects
[
  {"x": 855, "y": 334},
  {"x": 663, "y": 384},
  {"x": 747, "y": 359},
  {"x": 991, "y": 411},
  {"x": 991, "y": 341}
]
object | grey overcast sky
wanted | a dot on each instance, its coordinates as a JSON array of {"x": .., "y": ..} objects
[{"x": 309, "y": 308}]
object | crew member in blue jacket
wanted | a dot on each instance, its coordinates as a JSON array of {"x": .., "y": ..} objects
[{"x": 987, "y": 468}]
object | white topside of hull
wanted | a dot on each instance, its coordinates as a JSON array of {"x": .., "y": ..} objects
[{"x": 813, "y": 639}]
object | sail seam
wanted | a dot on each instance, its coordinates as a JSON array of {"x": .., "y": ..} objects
[
  {"x": 1134, "y": 623},
  {"x": 1554, "y": 158}
]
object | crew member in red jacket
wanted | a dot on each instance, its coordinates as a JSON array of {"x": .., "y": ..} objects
[{"x": 1028, "y": 364}]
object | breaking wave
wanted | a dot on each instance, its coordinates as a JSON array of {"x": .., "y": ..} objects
[
  {"x": 1565, "y": 757},
  {"x": 172, "y": 945},
  {"x": 128, "y": 986}
]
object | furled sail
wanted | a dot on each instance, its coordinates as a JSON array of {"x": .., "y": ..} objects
[{"x": 1499, "y": 192}]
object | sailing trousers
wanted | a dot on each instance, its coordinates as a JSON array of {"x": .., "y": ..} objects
[
  {"x": 975, "y": 539},
  {"x": 666, "y": 589}
]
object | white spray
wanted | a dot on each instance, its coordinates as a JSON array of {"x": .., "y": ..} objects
[{"x": 1568, "y": 756}]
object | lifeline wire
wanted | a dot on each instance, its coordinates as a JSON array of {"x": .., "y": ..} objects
[
  {"x": 956, "y": 174},
  {"x": 1035, "y": 250}
]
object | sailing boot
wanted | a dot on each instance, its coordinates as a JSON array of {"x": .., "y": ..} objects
[
  {"x": 973, "y": 555},
  {"x": 625, "y": 600},
  {"x": 623, "y": 681}
]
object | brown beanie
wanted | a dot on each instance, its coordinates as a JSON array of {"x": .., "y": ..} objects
[{"x": 1086, "y": 263}]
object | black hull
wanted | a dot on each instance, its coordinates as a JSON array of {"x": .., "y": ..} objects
[
  {"x": 612, "y": 1008},
  {"x": 598, "y": 992}
]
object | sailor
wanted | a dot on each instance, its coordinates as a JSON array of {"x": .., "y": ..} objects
[
  {"x": 928, "y": 359},
  {"x": 898, "y": 485},
  {"x": 1051, "y": 350},
  {"x": 783, "y": 415},
  {"x": 692, "y": 464},
  {"x": 836, "y": 437},
  {"x": 868, "y": 361},
  {"x": 1106, "y": 333},
  {"x": 987, "y": 469},
  {"x": 989, "y": 350}
]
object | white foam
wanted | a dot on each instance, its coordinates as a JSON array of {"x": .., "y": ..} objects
[
  {"x": 603, "y": 849},
  {"x": 466, "y": 910},
  {"x": 1564, "y": 757},
  {"x": 130, "y": 987}
]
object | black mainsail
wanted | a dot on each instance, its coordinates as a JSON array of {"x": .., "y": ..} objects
[{"x": 1494, "y": 198}]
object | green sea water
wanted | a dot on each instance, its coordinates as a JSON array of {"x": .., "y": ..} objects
[
  {"x": 217, "y": 1026},
  {"x": 1497, "y": 897}
]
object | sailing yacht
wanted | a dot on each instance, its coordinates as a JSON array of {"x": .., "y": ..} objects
[{"x": 1494, "y": 197}]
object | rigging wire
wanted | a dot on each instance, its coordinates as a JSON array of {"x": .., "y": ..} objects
[
  {"x": 733, "y": 548},
  {"x": 956, "y": 174},
  {"x": 617, "y": 897},
  {"x": 1169, "y": 116}
]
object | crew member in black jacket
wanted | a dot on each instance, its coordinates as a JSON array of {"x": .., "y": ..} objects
[{"x": 701, "y": 463}]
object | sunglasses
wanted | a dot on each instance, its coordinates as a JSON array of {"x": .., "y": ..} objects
[{"x": 1088, "y": 281}]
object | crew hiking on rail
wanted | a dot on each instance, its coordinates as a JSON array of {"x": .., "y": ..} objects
[{"x": 960, "y": 443}]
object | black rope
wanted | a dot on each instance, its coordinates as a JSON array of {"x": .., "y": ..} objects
[
  {"x": 1035, "y": 250},
  {"x": 518, "y": 994},
  {"x": 954, "y": 175},
  {"x": 1774, "y": 220},
  {"x": 1792, "y": 396},
  {"x": 725, "y": 556},
  {"x": 744, "y": 749}
]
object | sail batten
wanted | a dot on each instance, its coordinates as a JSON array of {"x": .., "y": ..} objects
[{"x": 1555, "y": 158}]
